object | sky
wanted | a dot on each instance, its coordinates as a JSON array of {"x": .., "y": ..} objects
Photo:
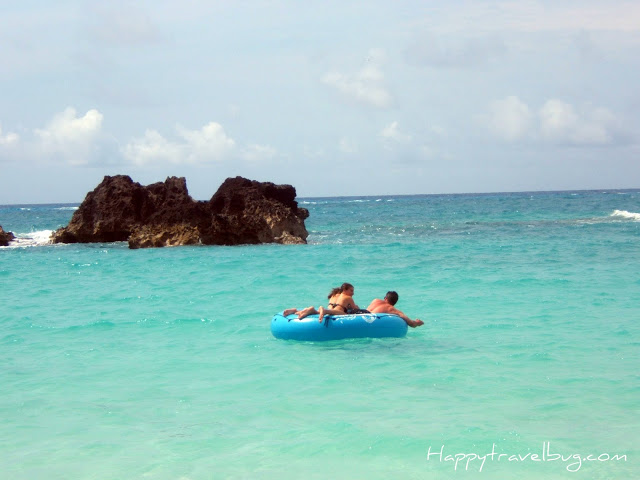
[{"x": 335, "y": 98}]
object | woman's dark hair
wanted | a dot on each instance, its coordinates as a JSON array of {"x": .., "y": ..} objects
[{"x": 340, "y": 289}]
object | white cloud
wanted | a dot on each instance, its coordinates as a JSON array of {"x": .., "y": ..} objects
[
  {"x": 559, "y": 122},
  {"x": 150, "y": 149},
  {"x": 78, "y": 140},
  {"x": 70, "y": 138},
  {"x": 8, "y": 139},
  {"x": 366, "y": 85},
  {"x": 556, "y": 122},
  {"x": 208, "y": 144},
  {"x": 67, "y": 128},
  {"x": 391, "y": 132},
  {"x": 256, "y": 153},
  {"x": 438, "y": 130},
  {"x": 347, "y": 145},
  {"x": 509, "y": 119},
  {"x": 9, "y": 143},
  {"x": 427, "y": 151}
]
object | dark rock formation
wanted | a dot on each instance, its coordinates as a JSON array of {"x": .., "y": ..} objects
[
  {"x": 163, "y": 214},
  {"x": 5, "y": 237}
]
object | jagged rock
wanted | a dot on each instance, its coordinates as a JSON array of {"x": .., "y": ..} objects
[
  {"x": 247, "y": 211},
  {"x": 159, "y": 236},
  {"x": 5, "y": 237},
  {"x": 242, "y": 211}
]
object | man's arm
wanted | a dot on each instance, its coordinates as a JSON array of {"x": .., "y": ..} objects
[{"x": 412, "y": 323}]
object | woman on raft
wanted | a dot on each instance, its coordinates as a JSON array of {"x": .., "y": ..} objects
[{"x": 340, "y": 303}]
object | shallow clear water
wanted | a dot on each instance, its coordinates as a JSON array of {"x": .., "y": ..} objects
[{"x": 160, "y": 364}]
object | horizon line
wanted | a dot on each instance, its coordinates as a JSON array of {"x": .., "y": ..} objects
[{"x": 602, "y": 190}]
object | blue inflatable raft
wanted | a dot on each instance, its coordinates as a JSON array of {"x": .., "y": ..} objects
[{"x": 338, "y": 327}]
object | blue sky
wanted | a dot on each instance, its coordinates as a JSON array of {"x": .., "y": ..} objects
[{"x": 336, "y": 98}]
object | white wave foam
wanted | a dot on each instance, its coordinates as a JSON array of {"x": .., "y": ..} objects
[
  {"x": 67, "y": 208},
  {"x": 313, "y": 202},
  {"x": 625, "y": 214},
  {"x": 33, "y": 239}
]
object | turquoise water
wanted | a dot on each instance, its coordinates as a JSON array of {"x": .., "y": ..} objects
[{"x": 159, "y": 364}]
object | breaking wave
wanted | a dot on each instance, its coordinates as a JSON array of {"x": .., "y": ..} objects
[
  {"x": 32, "y": 239},
  {"x": 627, "y": 215}
]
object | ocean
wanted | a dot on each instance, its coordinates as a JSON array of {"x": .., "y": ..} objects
[{"x": 160, "y": 363}]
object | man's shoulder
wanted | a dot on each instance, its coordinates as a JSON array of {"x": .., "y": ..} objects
[
  {"x": 382, "y": 307},
  {"x": 375, "y": 303}
]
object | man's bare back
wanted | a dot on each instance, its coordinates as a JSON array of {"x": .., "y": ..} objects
[{"x": 384, "y": 306}]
